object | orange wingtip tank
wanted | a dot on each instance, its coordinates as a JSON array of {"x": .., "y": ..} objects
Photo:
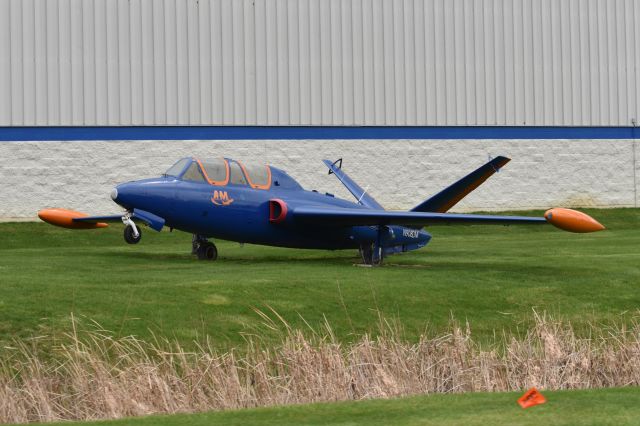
[
  {"x": 64, "y": 218},
  {"x": 572, "y": 220}
]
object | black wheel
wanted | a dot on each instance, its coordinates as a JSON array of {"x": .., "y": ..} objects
[
  {"x": 377, "y": 260},
  {"x": 128, "y": 235},
  {"x": 195, "y": 243},
  {"x": 207, "y": 251},
  {"x": 366, "y": 253}
]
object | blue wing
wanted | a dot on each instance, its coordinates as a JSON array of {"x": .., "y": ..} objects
[
  {"x": 96, "y": 219},
  {"x": 357, "y": 217},
  {"x": 150, "y": 219}
]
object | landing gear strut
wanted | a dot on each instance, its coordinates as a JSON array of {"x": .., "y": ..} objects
[
  {"x": 132, "y": 234},
  {"x": 204, "y": 249},
  {"x": 371, "y": 254}
]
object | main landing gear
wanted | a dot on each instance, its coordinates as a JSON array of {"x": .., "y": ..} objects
[
  {"x": 371, "y": 254},
  {"x": 203, "y": 248}
]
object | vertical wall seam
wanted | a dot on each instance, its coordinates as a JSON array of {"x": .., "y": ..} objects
[
  {"x": 82, "y": 60},
  {"x": 188, "y": 53},
  {"x": 153, "y": 76},
  {"x": 9, "y": 67},
  {"x": 255, "y": 56},
  {"x": 35, "y": 65},
  {"x": 130, "y": 65},
  {"x": 45, "y": 92},
  {"x": 634, "y": 144},
  {"x": 563, "y": 59},
  {"x": 117, "y": 41},
  {"x": 95, "y": 66}
]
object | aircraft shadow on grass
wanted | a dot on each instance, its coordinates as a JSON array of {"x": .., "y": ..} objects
[
  {"x": 238, "y": 259},
  {"x": 223, "y": 198}
]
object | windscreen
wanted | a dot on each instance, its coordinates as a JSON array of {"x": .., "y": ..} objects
[
  {"x": 177, "y": 168},
  {"x": 193, "y": 173}
]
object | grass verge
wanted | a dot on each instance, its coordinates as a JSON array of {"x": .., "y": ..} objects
[
  {"x": 491, "y": 276},
  {"x": 577, "y": 407},
  {"x": 92, "y": 375}
]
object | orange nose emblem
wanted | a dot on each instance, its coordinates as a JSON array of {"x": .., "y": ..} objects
[{"x": 572, "y": 220}]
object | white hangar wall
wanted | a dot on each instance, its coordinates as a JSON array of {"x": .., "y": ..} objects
[
  {"x": 398, "y": 173},
  {"x": 319, "y": 62}
]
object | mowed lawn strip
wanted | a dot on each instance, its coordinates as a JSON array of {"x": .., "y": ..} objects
[
  {"x": 582, "y": 407},
  {"x": 492, "y": 276}
]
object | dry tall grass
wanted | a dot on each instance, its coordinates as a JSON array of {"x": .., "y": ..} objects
[{"x": 94, "y": 375}]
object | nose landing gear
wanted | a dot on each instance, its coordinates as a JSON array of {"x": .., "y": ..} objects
[
  {"x": 203, "y": 248},
  {"x": 132, "y": 234}
]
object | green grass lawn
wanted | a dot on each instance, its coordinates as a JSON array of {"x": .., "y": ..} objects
[
  {"x": 490, "y": 275},
  {"x": 590, "y": 407}
]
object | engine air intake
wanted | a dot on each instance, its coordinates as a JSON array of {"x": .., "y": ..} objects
[{"x": 277, "y": 210}]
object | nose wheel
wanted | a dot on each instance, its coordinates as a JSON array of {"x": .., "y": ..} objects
[{"x": 132, "y": 235}]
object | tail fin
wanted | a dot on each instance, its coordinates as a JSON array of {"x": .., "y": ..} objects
[
  {"x": 449, "y": 197},
  {"x": 355, "y": 189}
]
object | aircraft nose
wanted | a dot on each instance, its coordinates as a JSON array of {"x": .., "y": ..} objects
[{"x": 124, "y": 194}]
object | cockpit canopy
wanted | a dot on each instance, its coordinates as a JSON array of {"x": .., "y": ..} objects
[{"x": 225, "y": 171}]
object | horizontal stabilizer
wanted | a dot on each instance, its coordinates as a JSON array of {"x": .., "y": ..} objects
[
  {"x": 355, "y": 189},
  {"x": 449, "y": 197}
]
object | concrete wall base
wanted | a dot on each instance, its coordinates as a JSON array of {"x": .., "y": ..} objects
[{"x": 398, "y": 173}]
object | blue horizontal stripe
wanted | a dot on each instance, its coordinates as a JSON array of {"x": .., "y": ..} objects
[{"x": 310, "y": 132}]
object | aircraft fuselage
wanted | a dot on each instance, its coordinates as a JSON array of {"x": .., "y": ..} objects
[{"x": 241, "y": 213}]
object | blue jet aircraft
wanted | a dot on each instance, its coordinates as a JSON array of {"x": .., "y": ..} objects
[{"x": 222, "y": 198}]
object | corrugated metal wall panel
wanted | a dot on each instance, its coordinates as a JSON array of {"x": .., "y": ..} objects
[
  {"x": 319, "y": 62},
  {"x": 635, "y": 47},
  {"x": 5, "y": 61}
]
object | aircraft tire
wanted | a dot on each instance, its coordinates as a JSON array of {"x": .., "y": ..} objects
[
  {"x": 380, "y": 257},
  {"x": 207, "y": 251},
  {"x": 366, "y": 253},
  {"x": 128, "y": 235}
]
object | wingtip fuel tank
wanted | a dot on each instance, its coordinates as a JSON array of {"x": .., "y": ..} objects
[
  {"x": 572, "y": 220},
  {"x": 64, "y": 218}
]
